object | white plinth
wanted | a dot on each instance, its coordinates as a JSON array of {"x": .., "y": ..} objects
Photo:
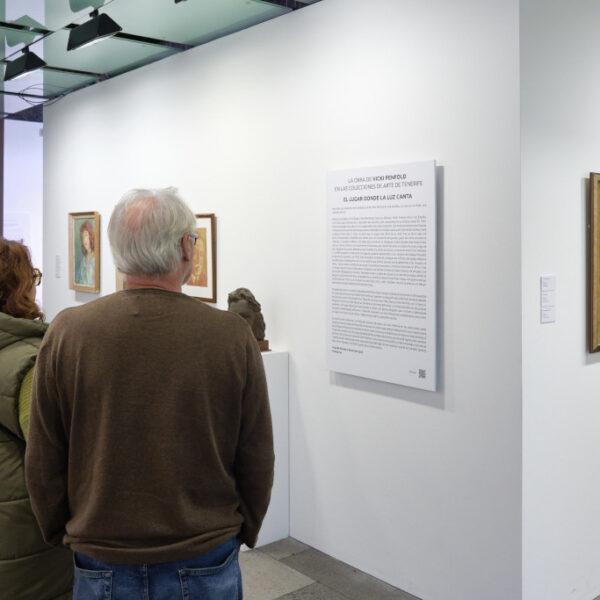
[{"x": 276, "y": 525}]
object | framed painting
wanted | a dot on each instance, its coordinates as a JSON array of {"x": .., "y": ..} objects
[
  {"x": 84, "y": 251},
  {"x": 594, "y": 263},
  {"x": 203, "y": 282},
  {"x": 119, "y": 281}
]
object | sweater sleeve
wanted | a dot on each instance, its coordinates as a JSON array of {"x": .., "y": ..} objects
[
  {"x": 255, "y": 457},
  {"x": 47, "y": 450}
]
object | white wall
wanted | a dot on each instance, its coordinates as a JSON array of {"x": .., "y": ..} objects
[
  {"x": 561, "y": 382},
  {"x": 23, "y": 186},
  {"x": 420, "y": 489}
]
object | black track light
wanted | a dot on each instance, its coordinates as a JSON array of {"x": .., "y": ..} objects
[
  {"x": 97, "y": 28},
  {"x": 23, "y": 65}
]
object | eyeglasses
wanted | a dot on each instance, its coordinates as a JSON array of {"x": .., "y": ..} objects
[
  {"x": 193, "y": 236},
  {"x": 37, "y": 276}
]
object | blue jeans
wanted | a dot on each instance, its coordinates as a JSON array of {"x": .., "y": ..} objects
[{"x": 214, "y": 575}]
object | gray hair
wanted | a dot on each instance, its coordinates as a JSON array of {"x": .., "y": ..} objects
[{"x": 145, "y": 231}]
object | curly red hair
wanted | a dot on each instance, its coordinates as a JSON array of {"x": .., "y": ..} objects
[
  {"x": 16, "y": 279},
  {"x": 86, "y": 226}
]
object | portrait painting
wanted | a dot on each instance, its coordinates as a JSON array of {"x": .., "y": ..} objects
[
  {"x": 84, "y": 251},
  {"x": 202, "y": 283}
]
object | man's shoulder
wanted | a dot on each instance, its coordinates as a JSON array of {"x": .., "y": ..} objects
[
  {"x": 98, "y": 305},
  {"x": 149, "y": 300},
  {"x": 228, "y": 325},
  {"x": 224, "y": 319}
]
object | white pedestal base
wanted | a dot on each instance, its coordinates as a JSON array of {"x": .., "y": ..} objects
[{"x": 276, "y": 525}]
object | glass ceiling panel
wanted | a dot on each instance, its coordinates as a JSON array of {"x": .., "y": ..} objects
[
  {"x": 192, "y": 22},
  {"x": 13, "y": 40},
  {"x": 52, "y": 14},
  {"x": 110, "y": 56},
  {"x": 59, "y": 13},
  {"x": 39, "y": 16},
  {"x": 42, "y": 25},
  {"x": 45, "y": 82}
]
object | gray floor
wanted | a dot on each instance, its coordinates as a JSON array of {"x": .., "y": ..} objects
[{"x": 290, "y": 570}]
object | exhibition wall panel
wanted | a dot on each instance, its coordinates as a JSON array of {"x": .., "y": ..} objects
[
  {"x": 23, "y": 186},
  {"x": 418, "y": 488},
  {"x": 561, "y": 381}
]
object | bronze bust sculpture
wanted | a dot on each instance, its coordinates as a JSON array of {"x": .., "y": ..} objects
[{"x": 243, "y": 302}]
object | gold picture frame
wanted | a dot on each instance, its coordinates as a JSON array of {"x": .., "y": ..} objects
[
  {"x": 594, "y": 263},
  {"x": 203, "y": 282},
  {"x": 84, "y": 251},
  {"x": 119, "y": 281}
]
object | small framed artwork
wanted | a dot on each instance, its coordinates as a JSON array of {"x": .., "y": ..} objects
[
  {"x": 84, "y": 251},
  {"x": 203, "y": 282},
  {"x": 594, "y": 263},
  {"x": 119, "y": 281}
]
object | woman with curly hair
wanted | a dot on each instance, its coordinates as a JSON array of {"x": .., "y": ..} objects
[
  {"x": 29, "y": 569},
  {"x": 87, "y": 267}
]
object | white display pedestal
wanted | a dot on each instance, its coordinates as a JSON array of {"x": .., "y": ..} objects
[{"x": 276, "y": 525}]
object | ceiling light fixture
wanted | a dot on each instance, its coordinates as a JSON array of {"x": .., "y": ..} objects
[
  {"x": 24, "y": 64},
  {"x": 98, "y": 28}
]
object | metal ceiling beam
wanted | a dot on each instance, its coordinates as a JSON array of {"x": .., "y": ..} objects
[
  {"x": 122, "y": 35},
  {"x": 23, "y": 95},
  {"x": 153, "y": 41},
  {"x": 145, "y": 40},
  {"x": 26, "y": 28},
  {"x": 293, "y": 4},
  {"x": 65, "y": 70},
  {"x": 75, "y": 72}
]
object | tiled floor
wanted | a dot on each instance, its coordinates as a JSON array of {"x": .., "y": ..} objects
[{"x": 290, "y": 570}]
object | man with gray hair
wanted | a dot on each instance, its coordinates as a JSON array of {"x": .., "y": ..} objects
[{"x": 150, "y": 449}]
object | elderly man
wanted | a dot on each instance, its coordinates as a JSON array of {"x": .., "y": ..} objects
[{"x": 151, "y": 449}]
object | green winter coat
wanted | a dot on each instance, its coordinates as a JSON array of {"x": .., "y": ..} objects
[{"x": 29, "y": 569}]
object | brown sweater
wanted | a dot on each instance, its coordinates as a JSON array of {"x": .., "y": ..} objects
[{"x": 150, "y": 434}]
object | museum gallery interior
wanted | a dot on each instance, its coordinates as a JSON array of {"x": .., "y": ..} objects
[{"x": 409, "y": 188}]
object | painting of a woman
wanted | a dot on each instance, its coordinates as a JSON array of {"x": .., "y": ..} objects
[
  {"x": 86, "y": 275},
  {"x": 84, "y": 257}
]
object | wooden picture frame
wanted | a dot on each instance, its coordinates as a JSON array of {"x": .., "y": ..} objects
[
  {"x": 594, "y": 263},
  {"x": 119, "y": 281},
  {"x": 203, "y": 282},
  {"x": 84, "y": 251}
]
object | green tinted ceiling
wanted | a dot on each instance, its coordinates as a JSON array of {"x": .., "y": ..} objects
[
  {"x": 110, "y": 57},
  {"x": 193, "y": 21},
  {"x": 151, "y": 30}
]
